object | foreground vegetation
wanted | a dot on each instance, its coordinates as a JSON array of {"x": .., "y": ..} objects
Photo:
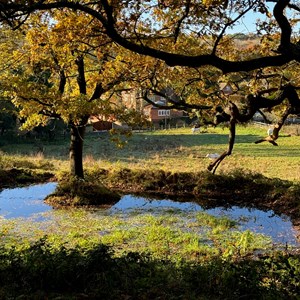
[
  {"x": 83, "y": 255},
  {"x": 40, "y": 272},
  {"x": 77, "y": 254}
]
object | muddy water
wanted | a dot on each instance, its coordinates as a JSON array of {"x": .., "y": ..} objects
[{"x": 26, "y": 202}]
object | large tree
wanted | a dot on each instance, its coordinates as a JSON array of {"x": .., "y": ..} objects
[
  {"x": 59, "y": 69},
  {"x": 263, "y": 76}
]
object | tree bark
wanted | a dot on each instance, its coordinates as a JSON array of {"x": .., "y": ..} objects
[
  {"x": 76, "y": 150},
  {"x": 77, "y": 132}
]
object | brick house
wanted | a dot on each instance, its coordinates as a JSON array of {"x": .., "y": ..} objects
[
  {"x": 132, "y": 99},
  {"x": 161, "y": 117}
]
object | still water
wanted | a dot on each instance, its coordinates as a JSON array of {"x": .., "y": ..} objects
[{"x": 27, "y": 202}]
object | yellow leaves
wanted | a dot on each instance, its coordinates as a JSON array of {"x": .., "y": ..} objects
[
  {"x": 209, "y": 3},
  {"x": 73, "y": 108},
  {"x": 120, "y": 136},
  {"x": 33, "y": 120},
  {"x": 50, "y": 49},
  {"x": 269, "y": 14}
]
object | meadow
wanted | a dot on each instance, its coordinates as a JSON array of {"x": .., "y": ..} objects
[
  {"x": 175, "y": 150},
  {"x": 171, "y": 255}
]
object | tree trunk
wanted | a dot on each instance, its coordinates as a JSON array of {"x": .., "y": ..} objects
[{"x": 76, "y": 150}]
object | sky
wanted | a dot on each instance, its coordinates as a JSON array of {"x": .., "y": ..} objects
[{"x": 248, "y": 23}]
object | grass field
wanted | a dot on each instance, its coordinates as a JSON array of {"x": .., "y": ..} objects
[{"x": 174, "y": 150}]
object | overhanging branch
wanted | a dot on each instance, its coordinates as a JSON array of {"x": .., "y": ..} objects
[{"x": 172, "y": 59}]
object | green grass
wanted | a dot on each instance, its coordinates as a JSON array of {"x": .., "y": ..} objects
[
  {"x": 78, "y": 255},
  {"x": 173, "y": 235},
  {"x": 171, "y": 150},
  {"x": 178, "y": 150}
]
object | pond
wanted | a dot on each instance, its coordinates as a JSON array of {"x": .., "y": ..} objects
[{"x": 27, "y": 202}]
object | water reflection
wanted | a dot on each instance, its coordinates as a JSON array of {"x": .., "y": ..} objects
[
  {"x": 28, "y": 202},
  {"x": 280, "y": 228},
  {"x": 25, "y": 201}
]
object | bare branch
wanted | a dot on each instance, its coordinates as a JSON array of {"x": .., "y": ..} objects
[
  {"x": 185, "y": 15},
  {"x": 220, "y": 36},
  {"x": 232, "y": 129},
  {"x": 181, "y": 105}
]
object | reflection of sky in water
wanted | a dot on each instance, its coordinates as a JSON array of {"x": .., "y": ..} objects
[
  {"x": 25, "y": 201},
  {"x": 28, "y": 201},
  {"x": 265, "y": 222}
]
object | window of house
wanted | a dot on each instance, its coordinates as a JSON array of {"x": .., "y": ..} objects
[{"x": 163, "y": 112}]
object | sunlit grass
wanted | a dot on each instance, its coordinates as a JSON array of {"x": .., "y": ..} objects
[
  {"x": 178, "y": 150},
  {"x": 173, "y": 236},
  {"x": 172, "y": 150}
]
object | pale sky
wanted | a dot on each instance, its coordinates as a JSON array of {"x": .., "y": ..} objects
[{"x": 248, "y": 23}]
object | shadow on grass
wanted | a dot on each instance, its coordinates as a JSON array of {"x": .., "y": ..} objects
[
  {"x": 138, "y": 145},
  {"x": 42, "y": 271},
  {"x": 143, "y": 146},
  {"x": 201, "y": 138}
]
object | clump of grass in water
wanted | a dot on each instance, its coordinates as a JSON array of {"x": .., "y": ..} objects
[
  {"x": 74, "y": 191},
  {"x": 174, "y": 236},
  {"x": 219, "y": 223}
]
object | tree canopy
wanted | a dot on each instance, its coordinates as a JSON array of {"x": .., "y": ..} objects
[{"x": 136, "y": 24}]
